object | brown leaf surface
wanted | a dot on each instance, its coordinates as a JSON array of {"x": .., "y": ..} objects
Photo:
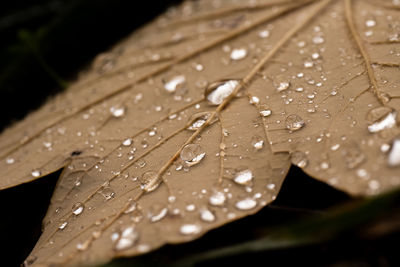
[{"x": 147, "y": 158}]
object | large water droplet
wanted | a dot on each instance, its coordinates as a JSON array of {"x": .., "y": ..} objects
[
  {"x": 299, "y": 159},
  {"x": 190, "y": 229},
  {"x": 394, "y": 154},
  {"x": 149, "y": 181},
  {"x": 128, "y": 238},
  {"x": 217, "y": 198},
  {"x": 207, "y": 215},
  {"x": 243, "y": 177},
  {"x": 386, "y": 122},
  {"x": 217, "y": 92},
  {"x": 192, "y": 154},
  {"x": 246, "y": 204},
  {"x": 197, "y": 120},
  {"x": 77, "y": 208},
  {"x": 294, "y": 122},
  {"x": 353, "y": 155},
  {"x": 174, "y": 83}
]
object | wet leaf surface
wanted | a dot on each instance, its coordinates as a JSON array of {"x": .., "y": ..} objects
[{"x": 194, "y": 120}]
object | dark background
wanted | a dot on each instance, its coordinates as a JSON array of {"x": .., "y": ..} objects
[{"x": 44, "y": 43}]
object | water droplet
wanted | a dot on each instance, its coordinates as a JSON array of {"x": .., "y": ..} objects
[
  {"x": 282, "y": 86},
  {"x": 149, "y": 181},
  {"x": 207, "y": 215},
  {"x": 117, "y": 111},
  {"x": 63, "y": 225},
  {"x": 128, "y": 238},
  {"x": 385, "y": 148},
  {"x": 190, "y": 207},
  {"x": 238, "y": 54},
  {"x": 335, "y": 147},
  {"x": 352, "y": 155},
  {"x": 294, "y": 122},
  {"x": 246, "y": 204},
  {"x": 243, "y": 177},
  {"x": 370, "y": 23},
  {"x": 382, "y": 120},
  {"x": 127, "y": 142},
  {"x": 83, "y": 246},
  {"x": 263, "y": 34},
  {"x": 174, "y": 83},
  {"x": 318, "y": 40},
  {"x": 394, "y": 154},
  {"x": 299, "y": 159},
  {"x": 197, "y": 120},
  {"x": 77, "y": 208},
  {"x": 217, "y": 198},
  {"x": 10, "y": 160},
  {"x": 254, "y": 100},
  {"x": 264, "y": 110},
  {"x": 192, "y": 154},
  {"x": 217, "y": 92},
  {"x": 107, "y": 192},
  {"x": 156, "y": 216},
  {"x": 36, "y": 173},
  {"x": 190, "y": 229},
  {"x": 308, "y": 64},
  {"x": 257, "y": 142}
]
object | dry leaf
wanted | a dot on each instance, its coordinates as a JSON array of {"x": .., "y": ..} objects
[{"x": 192, "y": 122}]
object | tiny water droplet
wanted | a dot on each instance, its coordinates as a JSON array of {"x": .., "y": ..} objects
[
  {"x": 254, "y": 100},
  {"x": 190, "y": 229},
  {"x": 217, "y": 198},
  {"x": 190, "y": 207},
  {"x": 149, "y": 181},
  {"x": 128, "y": 238},
  {"x": 217, "y": 92},
  {"x": 238, "y": 54},
  {"x": 175, "y": 82},
  {"x": 192, "y": 154},
  {"x": 257, "y": 142},
  {"x": 243, "y": 177},
  {"x": 83, "y": 246},
  {"x": 207, "y": 215},
  {"x": 246, "y": 204},
  {"x": 294, "y": 122},
  {"x": 77, "y": 208},
  {"x": 299, "y": 159},
  {"x": 10, "y": 160}
]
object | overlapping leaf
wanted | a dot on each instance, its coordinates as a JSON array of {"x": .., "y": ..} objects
[{"x": 154, "y": 153}]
